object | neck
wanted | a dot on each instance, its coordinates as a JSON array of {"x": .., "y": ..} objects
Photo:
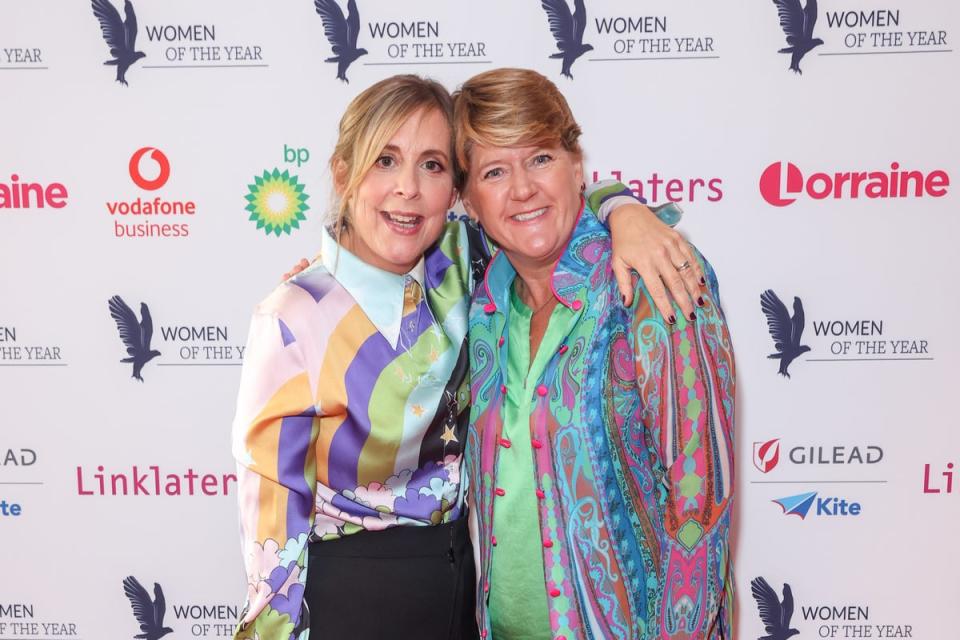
[{"x": 536, "y": 284}]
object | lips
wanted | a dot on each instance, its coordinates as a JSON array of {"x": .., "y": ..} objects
[{"x": 403, "y": 222}]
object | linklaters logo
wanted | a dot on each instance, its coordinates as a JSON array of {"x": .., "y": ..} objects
[
  {"x": 120, "y": 35},
  {"x": 276, "y": 199},
  {"x": 567, "y": 30},
  {"x": 342, "y": 33}
]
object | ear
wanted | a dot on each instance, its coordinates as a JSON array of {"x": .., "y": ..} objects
[
  {"x": 578, "y": 172},
  {"x": 339, "y": 176},
  {"x": 453, "y": 198},
  {"x": 468, "y": 205}
]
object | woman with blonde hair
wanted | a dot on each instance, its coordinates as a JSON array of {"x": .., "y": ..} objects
[
  {"x": 351, "y": 417},
  {"x": 600, "y": 449}
]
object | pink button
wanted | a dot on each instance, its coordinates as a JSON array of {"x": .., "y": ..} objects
[
  {"x": 500, "y": 492},
  {"x": 548, "y": 543},
  {"x": 493, "y": 540},
  {"x": 483, "y": 634},
  {"x": 541, "y": 494},
  {"x": 561, "y": 637},
  {"x": 489, "y": 307},
  {"x": 577, "y": 305},
  {"x": 486, "y": 589},
  {"x": 505, "y": 443},
  {"x": 500, "y": 343},
  {"x": 563, "y": 348},
  {"x": 536, "y": 443},
  {"x": 542, "y": 390},
  {"x": 503, "y": 388},
  {"x": 554, "y": 592}
]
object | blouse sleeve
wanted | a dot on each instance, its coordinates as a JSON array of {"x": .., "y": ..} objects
[
  {"x": 685, "y": 375},
  {"x": 274, "y": 434}
]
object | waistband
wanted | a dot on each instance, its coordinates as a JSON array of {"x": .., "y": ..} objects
[{"x": 398, "y": 542}]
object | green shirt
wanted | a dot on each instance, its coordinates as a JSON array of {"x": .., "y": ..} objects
[{"x": 518, "y": 595}]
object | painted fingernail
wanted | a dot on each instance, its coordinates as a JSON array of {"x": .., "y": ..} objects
[
  {"x": 672, "y": 319},
  {"x": 700, "y": 301},
  {"x": 692, "y": 316},
  {"x": 702, "y": 281}
]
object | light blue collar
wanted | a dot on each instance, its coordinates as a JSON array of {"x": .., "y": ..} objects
[{"x": 379, "y": 293}]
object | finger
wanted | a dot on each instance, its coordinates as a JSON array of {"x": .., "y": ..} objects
[
  {"x": 674, "y": 284},
  {"x": 689, "y": 276},
  {"x": 660, "y": 298},
  {"x": 698, "y": 274},
  {"x": 624, "y": 281}
]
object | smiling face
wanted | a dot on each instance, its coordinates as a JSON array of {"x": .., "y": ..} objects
[
  {"x": 526, "y": 198},
  {"x": 400, "y": 206}
]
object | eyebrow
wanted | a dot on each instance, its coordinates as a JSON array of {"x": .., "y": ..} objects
[{"x": 428, "y": 152}]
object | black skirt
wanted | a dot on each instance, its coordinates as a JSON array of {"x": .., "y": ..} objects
[{"x": 403, "y": 582}]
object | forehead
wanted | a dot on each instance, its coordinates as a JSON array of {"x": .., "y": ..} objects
[
  {"x": 482, "y": 153},
  {"x": 423, "y": 129}
]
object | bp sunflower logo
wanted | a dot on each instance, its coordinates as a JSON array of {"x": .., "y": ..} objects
[{"x": 276, "y": 202}]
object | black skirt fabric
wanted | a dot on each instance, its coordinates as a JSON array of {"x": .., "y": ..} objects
[{"x": 403, "y": 582}]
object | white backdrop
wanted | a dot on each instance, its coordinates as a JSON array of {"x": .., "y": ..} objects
[{"x": 691, "y": 96}]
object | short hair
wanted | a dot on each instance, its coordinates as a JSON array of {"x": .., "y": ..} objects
[
  {"x": 509, "y": 108},
  {"x": 370, "y": 121}
]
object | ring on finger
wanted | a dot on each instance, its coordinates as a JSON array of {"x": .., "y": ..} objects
[{"x": 684, "y": 266}]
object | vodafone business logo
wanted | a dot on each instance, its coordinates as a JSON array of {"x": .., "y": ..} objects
[
  {"x": 783, "y": 183},
  {"x": 157, "y": 156}
]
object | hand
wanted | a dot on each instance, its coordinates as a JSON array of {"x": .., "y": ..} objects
[
  {"x": 645, "y": 244},
  {"x": 297, "y": 268}
]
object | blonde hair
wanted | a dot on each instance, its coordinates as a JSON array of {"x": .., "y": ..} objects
[
  {"x": 368, "y": 124},
  {"x": 510, "y": 108}
]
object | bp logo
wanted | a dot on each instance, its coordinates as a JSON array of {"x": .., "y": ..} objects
[{"x": 276, "y": 202}]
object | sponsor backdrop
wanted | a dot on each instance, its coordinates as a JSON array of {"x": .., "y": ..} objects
[{"x": 163, "y": 162}]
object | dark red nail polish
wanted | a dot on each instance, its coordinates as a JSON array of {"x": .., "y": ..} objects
[
  {"x": 672, "y": 320},
  {"x": 703, "y": 282},
  {"x": 693, "y": 316},
  {"x": 700, "y": 301}
]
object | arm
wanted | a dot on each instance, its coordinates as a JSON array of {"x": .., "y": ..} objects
[
  {"x": 643, "y": 240},
  {"x": 685, "y": 376},
  {"x": 274, "y": 434}
]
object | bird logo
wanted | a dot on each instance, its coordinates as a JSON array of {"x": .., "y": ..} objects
[
  {"x": 797, "y": 25},
  {"x": 567, "y": 30},
  {"x": 341, "y": 33},
  {"x": 784, "y": 330},
  {"x": 136, "y": 335},
  {"x": 774, "y": 613},
  {"x": 120, "y": 35},
  {"x": 149, "y": 613}
]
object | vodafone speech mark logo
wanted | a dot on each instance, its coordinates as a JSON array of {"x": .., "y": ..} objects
[
  {"x": 782, "y": 183},
  {"x": 157, "y": 156}
]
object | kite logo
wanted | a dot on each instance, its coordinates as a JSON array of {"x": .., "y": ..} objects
[
  {"x": 567, "y": 30},
  {"x": 800, "y": 504},
  {"x": 766, "y": 455},
  {"x": 157, "y": 156}
]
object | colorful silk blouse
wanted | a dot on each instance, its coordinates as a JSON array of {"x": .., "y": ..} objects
[
  {"x": 352, "y": 411},
  {"x": 631, "y": 439}
]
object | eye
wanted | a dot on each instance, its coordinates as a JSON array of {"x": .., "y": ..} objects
[
  {"x": 493, "y": 173},
  {"x": 542, "y": 159},
  {"x": 385, "y": 162},
  {"x": 433, "y": 166}
]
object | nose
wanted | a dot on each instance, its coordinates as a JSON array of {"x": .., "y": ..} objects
[
  {"x": 408, "y": 182},
  {"x": 521, "y": 186}
]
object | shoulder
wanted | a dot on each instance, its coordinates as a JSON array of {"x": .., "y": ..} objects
[{"x": 300, "y": 295}]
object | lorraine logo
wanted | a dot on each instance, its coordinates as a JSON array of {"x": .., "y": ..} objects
[
  {"x": 163, "y": 164},
  {"x": 276, "y": 201},
  {"x": 341, "y": 33},
  {"x": 781, "y": 183},
  {"x": 800, "y": 504},
  {"x": 797, "y": 25},
  {"x": 148, "y": 612},
  {"x": 774, "y": 612},
  {"x": 120, "y": 35},
  {"x": 567, "y": 30},
  {"x": 766, "y": 455},
  {"x": 785, "y": 331},
  {"x": 135, "y": 334}
]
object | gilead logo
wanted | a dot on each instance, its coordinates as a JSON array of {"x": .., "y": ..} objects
[
  {"x": 782, "y": 183},
  {"x": 161, "y": 160}
]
